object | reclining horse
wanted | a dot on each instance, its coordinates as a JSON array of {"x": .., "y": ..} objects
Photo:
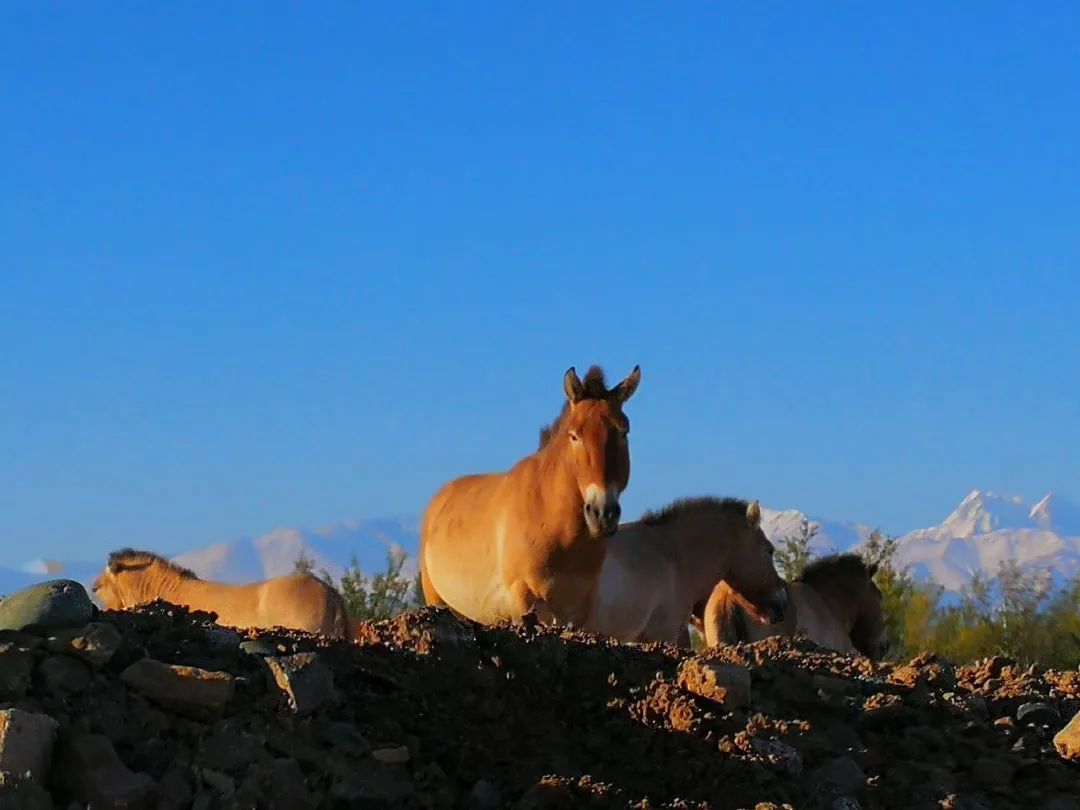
[
  {"x": 834, "y": 602},
  {"x": 297, "y": 601},
  {"x": 497, "y": 546}
]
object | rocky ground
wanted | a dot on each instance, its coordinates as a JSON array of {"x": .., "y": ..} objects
[{"x": 161, "y": 709}]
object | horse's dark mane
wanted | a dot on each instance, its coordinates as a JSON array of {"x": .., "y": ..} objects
[
  {"x": 833, "y": 569},
  {"x": 595, "y": 385},
  {"x": 131, "y": 557},
  {"x": 734, "y": 507}
]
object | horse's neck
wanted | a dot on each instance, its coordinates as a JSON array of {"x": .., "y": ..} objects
[
  {"x": 546, "y": 494},
  {"x": 701, "y": 562},
  {"x": 840, "y": 608}
]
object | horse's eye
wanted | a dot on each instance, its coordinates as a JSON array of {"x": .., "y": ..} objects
[{"x": 573, "y": 436}]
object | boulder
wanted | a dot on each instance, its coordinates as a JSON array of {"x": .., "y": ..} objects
[
  {"x": 16, "y": 671},
  {"x": 56, "y": 604},
  {"x": 64, "y": 675},
  {"x": 1067, "y": 741},
  {"x": 196, "y": 693},
  {"x": 96, "y": 643},
  {"x": 1037, "y": 713},
  {"x": 843, "y": 773},
  {"x": 305, "y": 681},
  {"x": 724, "y": 683},
  {"x": 26, "y": 743},
  {"x": 20, "y": 793},
  {"x": 88, "y": 768},
  {"x": 276, "y": 785}
]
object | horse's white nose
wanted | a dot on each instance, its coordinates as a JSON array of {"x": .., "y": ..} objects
[{"x": 601, "y": 510}]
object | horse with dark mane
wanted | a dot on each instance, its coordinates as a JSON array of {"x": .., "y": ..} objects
[
  {"x": 834, "y": 602},
  {"x": 498, "y": 545},
  {"x": 658, "y": 568}
]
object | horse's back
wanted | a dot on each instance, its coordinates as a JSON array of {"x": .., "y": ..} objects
[{"x": 305, "y": 602}]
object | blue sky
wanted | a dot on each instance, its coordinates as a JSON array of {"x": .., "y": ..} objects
[{"x": 267, "y": 265}]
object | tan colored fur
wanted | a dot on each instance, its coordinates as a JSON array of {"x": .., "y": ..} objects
[
  {"x": 495, "y": 546},
  {"x": 658, "y": 568},
  {"x": 296, "y": 601},
  {"x": 839, "y": 608}
]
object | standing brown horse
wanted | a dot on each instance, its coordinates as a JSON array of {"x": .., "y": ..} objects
[
  {"x": 834, "y": 602},
  {"x": 657, "y": 569},
  {"x": 495, "y": 546},
  {"x": 297, "y": 601}
]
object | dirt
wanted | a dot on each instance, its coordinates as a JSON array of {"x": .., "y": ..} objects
[{"x": 427, "y": 711}]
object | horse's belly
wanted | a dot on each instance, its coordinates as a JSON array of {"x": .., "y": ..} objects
[
  {"x": 485, "y": 600},
  {"x": 625, "y": 601}
]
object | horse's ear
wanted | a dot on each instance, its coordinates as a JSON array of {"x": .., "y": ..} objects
[
  {"x": 753, "y": 514},
  {"x": 871, "y": 570},
  {"x": 624, "y": 390},
  {"x": 572, "y": 385}
]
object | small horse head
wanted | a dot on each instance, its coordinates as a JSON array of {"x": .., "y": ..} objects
[
  {"x": 132, "y": 577},
  {"x": 848, "y": 581},
  {"x": 753, "y": 574},
  {"x": 591, "y": 435}
]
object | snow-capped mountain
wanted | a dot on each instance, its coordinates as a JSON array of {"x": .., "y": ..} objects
[
  {"x": 332, "y": 549},
  {"x": 985, "y": 530},
  {"x": 828, "y": 535}
]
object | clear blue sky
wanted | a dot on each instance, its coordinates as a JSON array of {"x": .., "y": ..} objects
[{"x": 274, "y": 264}]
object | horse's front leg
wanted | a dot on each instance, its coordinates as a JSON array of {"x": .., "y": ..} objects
[{"x": 525, "y": 600}]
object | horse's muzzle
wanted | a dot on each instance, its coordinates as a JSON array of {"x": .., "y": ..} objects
[
  {"x": 776, "y": 610},
  {"x": 602, "y": 512}
]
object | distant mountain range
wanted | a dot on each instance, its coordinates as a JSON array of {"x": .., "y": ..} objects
[{"x": 982, "y": 532}]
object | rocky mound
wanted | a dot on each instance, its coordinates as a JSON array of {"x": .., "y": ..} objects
[{"x": 161, "y": 708}]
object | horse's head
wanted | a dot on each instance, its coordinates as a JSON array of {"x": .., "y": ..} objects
[
  {"x": 132, "y": 577},
  {"x": 869, "y": 633},
  {"x": 591, "y": 435},
  {"x": 753, "y": 574}
]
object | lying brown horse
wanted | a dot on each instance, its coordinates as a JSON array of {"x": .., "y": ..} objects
[
  {"x": 658, "y": 568},
  {"x": 496, "y": 546},
  {"x": 835, "y": 603},
  {"x": 296, "y": 601}
]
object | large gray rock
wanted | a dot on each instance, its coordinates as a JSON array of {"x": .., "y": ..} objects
[
  {"x": 96, "y": 643},
  {"x": 53, "y": 605},
  {"x": 196, "y": 693},
  {"x": 89, "y": 769},
  {"x": 16, "y": 671},
  {"x": 302, "y": 677},
  {"x": 26, "y": 743},
  {"x": 20, "y": 793}
]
